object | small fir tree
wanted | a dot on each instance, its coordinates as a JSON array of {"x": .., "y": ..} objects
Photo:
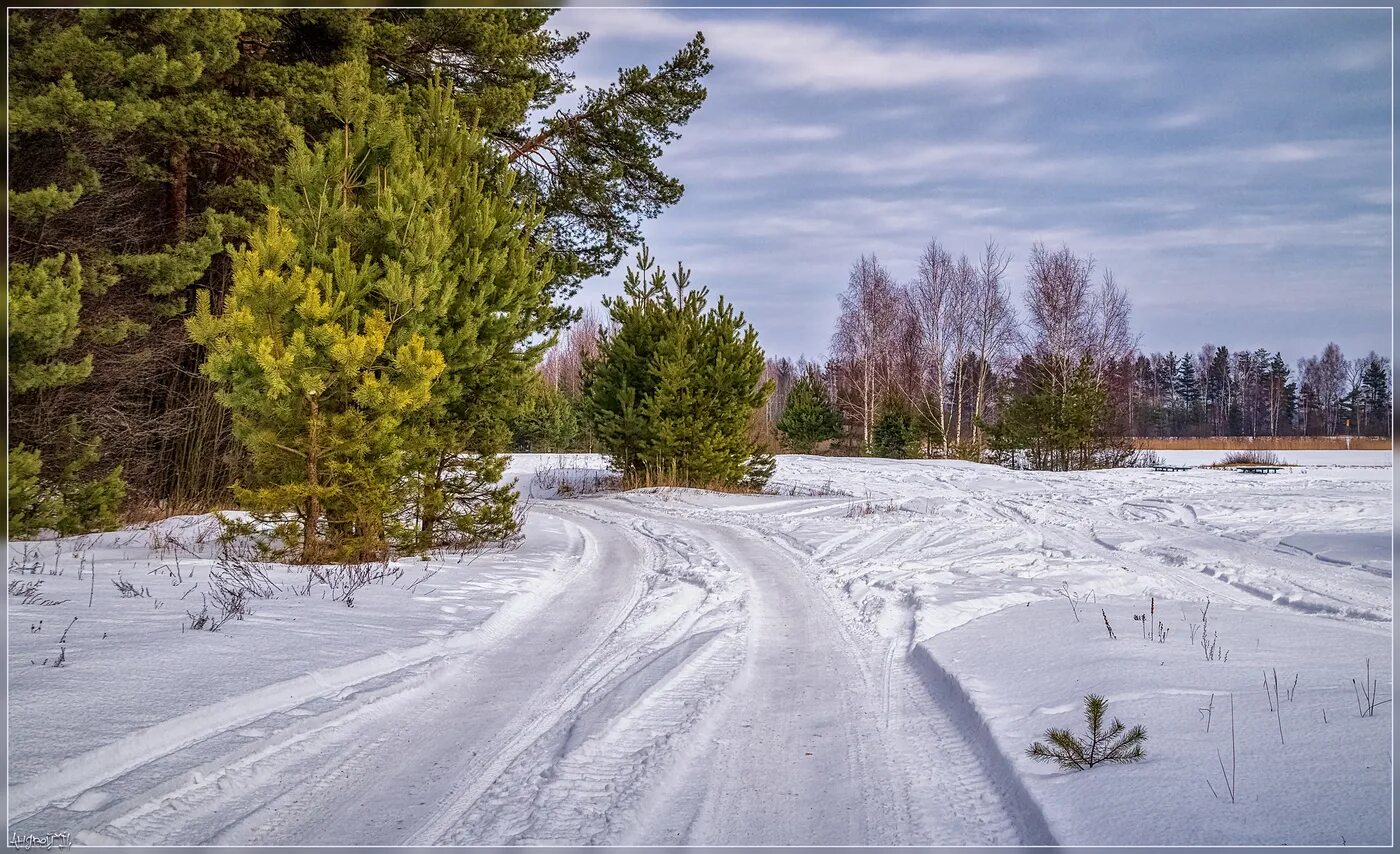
[
  {"x": 896, "y": 433},
  {"x": 674, "y": 384},
  {"x": 809, "y": 417}
]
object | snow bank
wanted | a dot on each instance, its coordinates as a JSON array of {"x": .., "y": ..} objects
[
  {"x": 136, "y": 683},
  {"x": 1325, "y": 780}
]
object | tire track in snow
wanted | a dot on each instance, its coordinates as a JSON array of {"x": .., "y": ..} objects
[
  {"x": 109, "y": 763},
  {"x": 200, "y": 803},
  {"x": 595, "y": 684},
  {"x": 464, "y": 735},
  {"x": 578, "y": 779},
  {"x": 828, "y": 736}
]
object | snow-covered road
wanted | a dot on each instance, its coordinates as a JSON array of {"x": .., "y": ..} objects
[
  {"x": 858, "y": 662},
  {"x": 686, "y": 681}
]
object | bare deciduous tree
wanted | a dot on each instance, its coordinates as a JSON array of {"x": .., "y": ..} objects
[
  {"x": 562, "y": 365},
  {"x": 993, "y": 326},
  {"x": 939, "y": 307},
  {"x": 866, "y": 341},
  {"x": 1068, "y": 318},
  {"x": 1332, "y": 371},
  {"x": 1059, "y": 305}
]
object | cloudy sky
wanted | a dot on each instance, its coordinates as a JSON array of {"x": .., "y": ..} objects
[{"x": 1231, "y": 167}]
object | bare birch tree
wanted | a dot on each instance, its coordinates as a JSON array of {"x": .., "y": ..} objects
[
  {"x": 562, "y": 365},
  {"x": 940, "y": 302},
  {"x": 993, "y": 326},
  {"x": 866, "y": 341},
  {"x": 1331, "y": 385},
  {"x": 1059, "y": 311},
  {"x": 1069, "y": 318}
]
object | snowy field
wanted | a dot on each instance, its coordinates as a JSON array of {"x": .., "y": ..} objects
[{"x": 861, "y": 657}]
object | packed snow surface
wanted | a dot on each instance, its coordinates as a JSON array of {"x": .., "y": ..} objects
[{"x": 861, "y": 657}]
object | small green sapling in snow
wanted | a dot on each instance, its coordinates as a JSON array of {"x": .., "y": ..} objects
[{"x": 1100, "y": 745}]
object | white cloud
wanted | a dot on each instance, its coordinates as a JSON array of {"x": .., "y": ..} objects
[
  {"x": 1180, "y": 119},
  {"x": 815, "y": 57}
]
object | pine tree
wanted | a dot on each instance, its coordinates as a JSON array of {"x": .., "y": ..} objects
[
  {"x": 809, "y": 417},
  {"x": 549, "y": 423},
  {"x": 675, "y": 383},
  {"x": 44, "y": 304},
  {"x": 414, "y": 221},
  {"x": 491, "y": 304},
  {"x": 1112, "y": 743},
  {"x": 170, "y": 123},
  {"x": 120, "y": 121},
  {"x": 1060, "y": 428},
  {"x": 896, "y": 433},
  {"x": 317, "y": 393}
]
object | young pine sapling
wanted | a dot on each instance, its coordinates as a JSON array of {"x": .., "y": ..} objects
[{"x": 1115, "y": 743}]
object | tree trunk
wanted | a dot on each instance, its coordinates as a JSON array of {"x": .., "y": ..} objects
[
  {"x": 431, "y": 513},
  {"x": 978, "y": 404},
  {"x": 179, "y": 187},
  {"x": 310, "y": 546}
]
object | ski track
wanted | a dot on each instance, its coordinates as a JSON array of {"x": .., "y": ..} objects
[{"x": 689, "y": 674}]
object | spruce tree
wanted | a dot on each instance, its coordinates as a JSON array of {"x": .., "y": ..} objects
[
  {"x": 1188, "y": 390},
  {"x": 1375, "y": 396},
  {"x": 809, "y": 417},
  {"x": 675, "y": 383},
  {"x": 896, "y": 433}
]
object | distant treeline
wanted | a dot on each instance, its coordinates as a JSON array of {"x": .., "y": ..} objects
[{"x": 945, "y": 365}]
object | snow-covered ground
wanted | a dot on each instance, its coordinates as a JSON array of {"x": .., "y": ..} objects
[{"x": 860, "y": 658}]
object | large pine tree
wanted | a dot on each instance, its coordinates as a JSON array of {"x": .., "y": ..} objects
[
  {"x": 406, "y": 224},
  {"x": 44, "y": 304},
  {"x": 142, "y": 141}
]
